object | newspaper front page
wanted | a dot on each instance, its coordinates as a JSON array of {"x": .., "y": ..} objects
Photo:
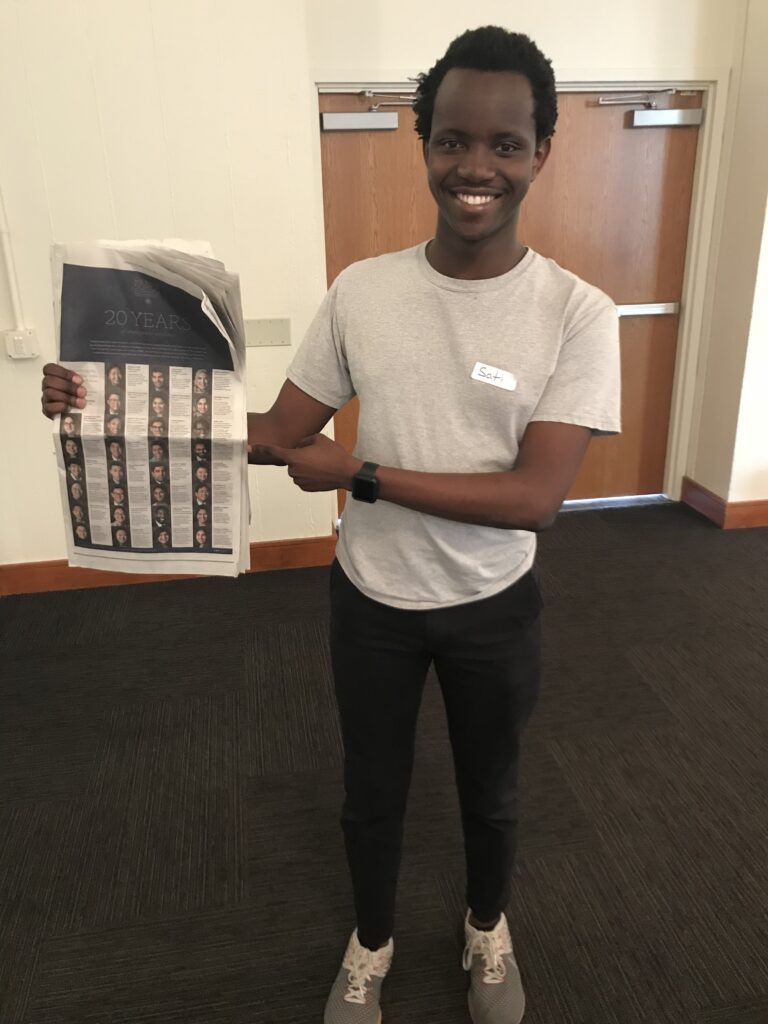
[{"x": 153, "y": 470}]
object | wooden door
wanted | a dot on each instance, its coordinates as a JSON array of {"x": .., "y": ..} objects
[{"x": 612, "y": 205}]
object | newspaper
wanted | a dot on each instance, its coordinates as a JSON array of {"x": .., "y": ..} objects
[{"x": 153, "y": 470}]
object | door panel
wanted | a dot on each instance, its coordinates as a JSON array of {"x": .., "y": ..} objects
[{"x": 612, "y": 205}]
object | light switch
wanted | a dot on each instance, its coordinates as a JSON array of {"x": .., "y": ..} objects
[{"x": 263, "y": 333}]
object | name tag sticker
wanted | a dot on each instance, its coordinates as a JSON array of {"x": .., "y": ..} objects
[{"x": 493, "y": 375}]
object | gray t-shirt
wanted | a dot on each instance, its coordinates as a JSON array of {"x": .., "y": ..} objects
[{"x": 407, "y": 341}]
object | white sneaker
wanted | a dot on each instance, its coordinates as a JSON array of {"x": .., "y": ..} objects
[
  {"x": 354, "y": 998},
  {"x": 496, "y": 992}
]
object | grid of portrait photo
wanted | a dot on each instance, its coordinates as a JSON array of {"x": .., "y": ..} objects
[
  {"x": 158, "y": 465},
  {"x": 74, "y": 463}
]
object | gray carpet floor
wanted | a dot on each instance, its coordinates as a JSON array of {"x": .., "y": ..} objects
[{"x": 170, "y": 789}]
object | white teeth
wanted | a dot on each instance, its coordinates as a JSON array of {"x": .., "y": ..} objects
[{"x": 474, "y": 200}]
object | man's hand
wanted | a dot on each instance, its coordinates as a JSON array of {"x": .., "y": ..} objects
[
  {"x": 316, "y": 464},
  {"x": 62, "y": 390}
]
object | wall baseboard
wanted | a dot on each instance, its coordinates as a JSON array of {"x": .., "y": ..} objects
[
  {"x": 37, "y": 577},
  {"x": 733, "y": 515}
]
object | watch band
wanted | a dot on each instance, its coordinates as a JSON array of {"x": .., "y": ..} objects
[{"x": 365, "y": 486}]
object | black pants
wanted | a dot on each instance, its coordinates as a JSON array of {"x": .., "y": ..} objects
[{"x": 486, "y": 655}]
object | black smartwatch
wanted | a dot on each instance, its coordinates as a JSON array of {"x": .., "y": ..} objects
[{"x": 365, "y": 486}]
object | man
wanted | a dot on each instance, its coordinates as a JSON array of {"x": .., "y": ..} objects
[
  {"x": 75, "y": 471},
  {"x": 200, "y": 382},
  {"x": 202, "y": 494},
  {"x": 121, "y": 537},
  {"x": 156, "y": 427},
  {"x": 160, "y": 516},
  {"x": 201, "y": 474},
  {"x": 157, "y": 382},
  {"x": 163, "y": 540},
  {"x": 116, "y": 473},
  {"x": 114, "y": 403},
  {"x": 119, "y": 517},
  {"x": 81, "y": 532},
  {"x": 114, "y": 426},
  {"x": 77, "y": 514},
  {"x": 115, "y": 377},
  {"x": 159, "y": 496},
  {"x": 454, "y": 472},
  {"x": 200, "y": 451},
  {"x": 115, "y": 451},
  {"x": 117, "y": 495},
  {"x": 76, "y": 491},
  {"x": 158, "y": 452},
  {"x": 158, "y": 474}
]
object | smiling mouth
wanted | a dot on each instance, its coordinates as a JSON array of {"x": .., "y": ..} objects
[{"x": 474, "y": 199}]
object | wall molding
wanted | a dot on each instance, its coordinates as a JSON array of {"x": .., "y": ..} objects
[
  {"x": 37, "y": 577},
  {"x": 733, "y": 515}
]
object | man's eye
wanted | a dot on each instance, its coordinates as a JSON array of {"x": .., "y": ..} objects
[
  {"x": 507, "y": 147},
  {"x": 449, "y": 144}
]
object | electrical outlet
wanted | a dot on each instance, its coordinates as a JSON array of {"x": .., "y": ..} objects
[
  {"x": 21, "y": 343},
  {"x": 263, "y": 333}
]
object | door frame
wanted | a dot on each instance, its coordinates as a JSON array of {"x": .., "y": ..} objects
[{"x": 703, "y": 229}]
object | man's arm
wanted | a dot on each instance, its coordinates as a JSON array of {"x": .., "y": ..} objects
[
  {"x": 527, "y": 497},
  {"x": 294, "y": 415}
]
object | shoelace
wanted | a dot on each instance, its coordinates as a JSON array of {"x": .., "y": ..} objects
[
  {"x": 491, "y": 948},
  {"x": 361, "y": 965}
]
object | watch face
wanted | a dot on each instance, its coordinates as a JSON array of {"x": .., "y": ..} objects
[{"x": 365, "y": 486}]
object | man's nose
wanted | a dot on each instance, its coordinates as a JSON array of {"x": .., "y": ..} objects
[{"x": 476, "y": 165}]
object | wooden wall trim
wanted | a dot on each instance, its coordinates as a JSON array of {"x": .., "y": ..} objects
[
  {"x": 733, "y": 515},
  {"x": 36, "y": 577}
]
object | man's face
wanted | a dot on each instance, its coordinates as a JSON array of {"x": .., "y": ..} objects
[
  {"x": 121, "y": 537},
  {"x": 70, "y": 447},
  {"x": 118, "y": 496},
  {"x": 157, "y": 451},
  {"x": 81, "y": 532},
  {"x": 201, "y": 380},
  {"x": 202, "y": 493},
  {"x": 77, "y": 513},
  {"x": 119, "y": 515},
  {"x": 160, "y": 514},
  {"x": 115, "y": 450},
  {"x": 113, "y": 403},
  {"x": 68, "y": 425},
  {"x": 115, "y": 376},
  {"x": 482, "y": 153},
  {"x": 156, "y": 428},
  {"x": 77, "y": 491},
  {"x": 158, "y": 474},
  {"x": 202, "y": 474},
  {"x": 113, "y": 426},
  {"x": 74, "y": 471},
  {"x": 158, "y": 495},
  {"x": 116, "y": 473},
  {"x": 200, "y": 451},
  {"x": 158, "y": 379}
]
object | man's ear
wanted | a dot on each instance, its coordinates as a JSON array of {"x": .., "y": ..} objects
[
  {"x": 424, "y": 147},
  {"x": 543, "y": 150}
]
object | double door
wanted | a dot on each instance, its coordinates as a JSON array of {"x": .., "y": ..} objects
[{"x": 612, "y": 205}]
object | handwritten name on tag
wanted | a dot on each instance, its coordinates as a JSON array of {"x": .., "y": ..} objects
[{"x": 493, "y": 375}]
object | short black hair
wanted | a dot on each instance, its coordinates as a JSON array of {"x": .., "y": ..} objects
[{"x": 492, "y": 49}]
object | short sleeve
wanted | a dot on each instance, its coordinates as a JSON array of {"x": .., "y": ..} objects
[
  {"x": 585, "y": 386},
  {"x": 320, "y": 366}
]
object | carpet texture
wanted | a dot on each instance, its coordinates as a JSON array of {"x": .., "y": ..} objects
[{"x": 170, "y": 781}]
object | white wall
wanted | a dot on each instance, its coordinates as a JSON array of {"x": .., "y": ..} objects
[
  {"x": 735, "y": 326},
  {"x": 749, "y": 481},
  {"x": 198, "y": 118}
]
